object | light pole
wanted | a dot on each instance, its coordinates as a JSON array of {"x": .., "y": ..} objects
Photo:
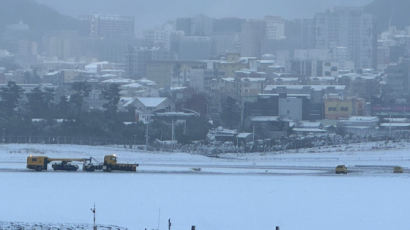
[
  {"x": 4, "y": 135},
  {"x": 93, "y": 211}
]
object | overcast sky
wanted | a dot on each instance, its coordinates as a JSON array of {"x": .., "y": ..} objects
[{"x": 154, "y": 12}]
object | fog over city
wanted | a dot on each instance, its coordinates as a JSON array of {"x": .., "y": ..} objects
[
  {"x": 204, "y": 114},
  {"x": 166, "y": 10}
]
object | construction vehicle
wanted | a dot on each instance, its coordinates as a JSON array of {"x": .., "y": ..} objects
[
  {"x": 40, "y": 163},
  {"x": 341, "y": 169},
  {"x": 64, "y": 166},
  {"x": 110, "y": 164},
  {"x": 398, "y": 169}
]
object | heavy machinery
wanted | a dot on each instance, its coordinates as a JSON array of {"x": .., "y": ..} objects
[
  {"x": 40, "y": 163},
  {"x": 398, "y": 169},
  {"x": 341, "y": 169},
  {"x": 64, "y": 166},
  {"x": 110, "y": 164}
]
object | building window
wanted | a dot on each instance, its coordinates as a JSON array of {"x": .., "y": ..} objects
[
  {"x": 344, "y": 109},
  {"x": 331, "y": 109}
]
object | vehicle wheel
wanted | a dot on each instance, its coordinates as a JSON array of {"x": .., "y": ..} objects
[{"x": 39, "y": 169}]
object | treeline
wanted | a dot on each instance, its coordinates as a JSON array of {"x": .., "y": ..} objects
[{"x": 39, "y": 113}]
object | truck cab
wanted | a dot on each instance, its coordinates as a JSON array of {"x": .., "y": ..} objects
[
  {"x": 110, "y": 159},
  {"x": 110, "y": 163},
  {"x": 38, "y": 163}
]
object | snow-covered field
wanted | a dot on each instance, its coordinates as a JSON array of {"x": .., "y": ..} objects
[
  {"x": 226, "y": 200},
  {"x": 41, "y": 226}
]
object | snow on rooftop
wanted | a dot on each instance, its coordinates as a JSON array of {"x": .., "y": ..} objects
[
  {"x": 93, "y": 67},
  {"x": 395, "y": 125},
  {"x": 309, "y": 130},
  {"x": 126, "y": 101},
  {"x": 132, "y": 85},
  {"x": 151, "y": 101},
  {"x": 287, "y": 79},
  {"x": 397, "y": 120},
  {"x": 146, "y": 82},
  {"x": 108, "y": 75},
  {"x": 243, "y": 135},
  {"x": 229, "y": 79},
  {"x": 300, "y": 87},
  {"x": 253, "y": 79},
  {"x": 52, "y": 73},
  {"x": 309, "y": 124},
  {"x": 363, "y": 118},
  {"x": 119, "y": 81},
  {"x": 266, "y": 61},
  {"x": 178, "y": 88},
  {"x": 265, "y": 118}
]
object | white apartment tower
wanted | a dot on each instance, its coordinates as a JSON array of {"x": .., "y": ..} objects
[{"x": 351, "y": 28}]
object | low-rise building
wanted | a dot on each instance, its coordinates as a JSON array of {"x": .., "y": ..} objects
[{"x": 360, "y": 125}]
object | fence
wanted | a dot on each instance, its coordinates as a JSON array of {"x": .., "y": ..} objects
[{"x": 67, "y": 140}]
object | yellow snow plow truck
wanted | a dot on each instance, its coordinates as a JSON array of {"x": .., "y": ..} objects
[{"x": 40, "y": 163}]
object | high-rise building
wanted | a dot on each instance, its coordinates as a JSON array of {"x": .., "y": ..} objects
[
  {"x": 195, "y": 48},
  {"x": 397, "y": 81},
  {"x": 274, "y": 28},
  {"x": 351, "y": 28},
  {"x": 137, "y": 59},
  {"x": 196, "y": 26},
  {"x": 111, "y": 26},
  {"x": 185, "y": 25},
  {"x": 226, "y": 35},
  {"x": 252, "y": 35}
]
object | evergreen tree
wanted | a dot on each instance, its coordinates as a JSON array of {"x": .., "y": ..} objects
[
  {"x": 81, "y": 91},
  {"x": 49, "y": 95},
  {"x": 112, "y": 96},
  {"x": 10, "y": 96},
  {"x": 231, "y": 113},
  {"x": 35, "y": 105},
  {"x": 63, "y": 108},
  {"x": 40, "y": 104}
]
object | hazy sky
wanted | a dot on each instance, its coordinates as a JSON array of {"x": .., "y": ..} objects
[{"x": 154, "y": 12}]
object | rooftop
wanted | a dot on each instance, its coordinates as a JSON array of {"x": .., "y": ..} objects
[
  {"x": 151, "y": 101},
  {"x": 300, "y": 87},
  {"x": 264, "y": 118}
]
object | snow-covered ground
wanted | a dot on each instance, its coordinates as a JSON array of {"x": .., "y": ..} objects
[
  {"x": 237, "y": 201},
  {"x": 41, "y": 226}
]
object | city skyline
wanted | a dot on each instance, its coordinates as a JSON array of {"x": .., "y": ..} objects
[{"x": 165, "y": 10}]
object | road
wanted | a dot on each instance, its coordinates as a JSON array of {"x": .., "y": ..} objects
[{"x": 230, "y": 169}]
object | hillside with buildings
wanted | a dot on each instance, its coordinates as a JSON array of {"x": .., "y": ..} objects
[
  {"x": 204, "y": 114},
  {"x": 28, "y": 18},
  {"x": 229, "y": 83}
]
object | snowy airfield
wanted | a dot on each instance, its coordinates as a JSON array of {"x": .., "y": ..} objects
[{"x": 296, "y": 190}]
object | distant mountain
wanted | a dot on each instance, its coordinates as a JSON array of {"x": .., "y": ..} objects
[
  {"x": 390, "y": 12},
  {"x": 38, "y": 17}
]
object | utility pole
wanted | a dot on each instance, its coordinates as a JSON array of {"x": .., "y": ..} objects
[
  {"x": 173, "y": 131},
  {"x": 159, "y": 218},
  {"x": 253, "y": 134},
  {"x": 391, "y": 122},
  {"x": 93, "y": 211},
  {"x": 147, "y": 136}
]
